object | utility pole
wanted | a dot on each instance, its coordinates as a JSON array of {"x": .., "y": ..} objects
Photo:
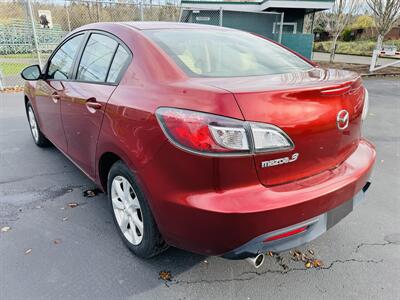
[{"x": 30, "y": 12}]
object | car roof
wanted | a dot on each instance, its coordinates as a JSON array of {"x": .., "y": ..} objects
[{"x": 170, "y": 25}]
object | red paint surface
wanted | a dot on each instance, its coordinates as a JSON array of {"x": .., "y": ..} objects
[{"x": 211, "y": 205}]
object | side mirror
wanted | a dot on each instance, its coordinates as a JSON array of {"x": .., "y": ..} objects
[{"x": 31, "y": 73}]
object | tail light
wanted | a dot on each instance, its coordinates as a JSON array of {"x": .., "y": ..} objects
[{"x": 216, "y": 135}]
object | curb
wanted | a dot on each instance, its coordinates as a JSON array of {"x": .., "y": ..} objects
[
  {"x": 380, "y": 75},
  {"x": 360, "y": 55}
]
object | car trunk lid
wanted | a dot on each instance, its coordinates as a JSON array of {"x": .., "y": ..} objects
[{"x": 306, "y": 106}]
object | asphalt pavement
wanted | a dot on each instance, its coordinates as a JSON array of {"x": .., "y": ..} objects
[{"x": 50, "y": 249}]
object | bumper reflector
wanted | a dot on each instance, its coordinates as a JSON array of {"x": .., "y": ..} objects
[{"x": 286, "y": 234}]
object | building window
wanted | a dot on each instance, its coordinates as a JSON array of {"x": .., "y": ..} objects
[{"x": 288, "y": 27}]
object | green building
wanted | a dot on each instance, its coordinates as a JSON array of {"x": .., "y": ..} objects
[{"x": 268, "y": 18}]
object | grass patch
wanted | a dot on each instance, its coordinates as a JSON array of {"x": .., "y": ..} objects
[
  {"x": 352, "y": 48},
  {"x": 10, "y": 68}
]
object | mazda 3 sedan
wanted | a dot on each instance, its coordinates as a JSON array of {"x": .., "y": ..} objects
[{"x": 209, "y": 139}]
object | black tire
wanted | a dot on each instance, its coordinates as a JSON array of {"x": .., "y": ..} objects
[
  {"x": 152, "y": 242},
  {"x": 40, "y": 140}
]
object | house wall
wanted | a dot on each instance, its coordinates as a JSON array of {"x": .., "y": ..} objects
[
  {"x": 259, "y": 23},
  {"x": 394, "y": 34},
  {"x": 371, "y": 33},
  {"x": 293, "y": 15}
]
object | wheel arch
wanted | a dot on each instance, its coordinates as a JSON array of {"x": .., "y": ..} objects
[{"x": 106, "y": 160}]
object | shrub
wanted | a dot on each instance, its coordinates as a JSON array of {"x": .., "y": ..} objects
[
  {"x": 354, "y": 48},
  {"x": 347, "y": 35}
]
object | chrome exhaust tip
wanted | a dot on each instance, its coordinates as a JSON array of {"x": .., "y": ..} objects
[{"x": 256, "y": 261}]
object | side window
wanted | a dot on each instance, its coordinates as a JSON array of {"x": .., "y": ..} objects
[
  {"x": 121, "y": 58},
  {"x": 96, "y": 58},
  {"x": 61, "y": 64}
]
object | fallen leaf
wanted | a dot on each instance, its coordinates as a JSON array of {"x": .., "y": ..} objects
[
  {"x": 65, "y": 219},
  {"x": 28, "y": 251},
  {"x": 56, "y": 242},
  {"x": 308, "y": 257},
  {"x": 308, "y": 265},
  {"x": 317, "y": 263},
  {"x": 5, "y": 228},
  {"x": 165, "y": 275},
  {"x": 91, "y": 193},
  {"x": 72, "y": 204},
  {"x": 297, "y": 253},
  {"x": 12, "y": 89},
  {"x": 270, "y": 253}
]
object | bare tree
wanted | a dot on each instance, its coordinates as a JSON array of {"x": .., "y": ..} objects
[
  {"x": 338, "y": 18},
  {"x": 385, "y": 13}
]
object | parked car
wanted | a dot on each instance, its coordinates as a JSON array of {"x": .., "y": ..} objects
[{"x": 205, "y": 138}]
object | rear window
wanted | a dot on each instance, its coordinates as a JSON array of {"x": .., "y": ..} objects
[{"x": 218, "y": 53}]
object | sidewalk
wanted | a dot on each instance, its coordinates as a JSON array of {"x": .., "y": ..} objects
[{"x": 351, "y": 59}]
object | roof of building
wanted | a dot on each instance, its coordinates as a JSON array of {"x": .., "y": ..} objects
[{"x": 258, "y": 5}]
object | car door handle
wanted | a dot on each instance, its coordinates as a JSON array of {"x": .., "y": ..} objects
[
  {"x": 55, "y": 97},
  {"x": 92, "y": 103}
]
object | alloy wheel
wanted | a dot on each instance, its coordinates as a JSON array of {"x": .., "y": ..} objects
[
  {"x": 127, "y": 209},
  {"x": 33, "y": 124}
]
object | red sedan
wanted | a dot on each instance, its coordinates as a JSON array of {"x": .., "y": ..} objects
[{"x": 206, "y": 138}]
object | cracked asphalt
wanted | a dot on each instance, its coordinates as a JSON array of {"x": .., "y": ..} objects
[{"x": 76, "y": 253}]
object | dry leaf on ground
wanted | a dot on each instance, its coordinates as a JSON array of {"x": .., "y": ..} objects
[
  {"x": 72, "y": 204},
  {"x": 317, "y": 263},
  {"x": 91, "y": 193},
  {"x": 165, "y": 275}
]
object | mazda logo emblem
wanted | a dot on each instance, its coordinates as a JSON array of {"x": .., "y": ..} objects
[{"x": 342, "y": 119}]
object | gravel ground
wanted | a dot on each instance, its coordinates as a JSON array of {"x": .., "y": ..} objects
[{"x": 77, "y": 254}]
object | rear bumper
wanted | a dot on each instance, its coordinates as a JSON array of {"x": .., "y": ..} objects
[
  {"x": 233, "y": 223},
  {"x": 307, "y": 231}
]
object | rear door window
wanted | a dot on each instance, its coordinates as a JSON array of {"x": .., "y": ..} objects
[
  {"x": 96, "y": 58},
  {"x": 61, "y": 64},
  {"x": 118, "y": 65}
]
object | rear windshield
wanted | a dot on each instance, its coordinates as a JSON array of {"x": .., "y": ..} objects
[{"x": 219, "y": 53}]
